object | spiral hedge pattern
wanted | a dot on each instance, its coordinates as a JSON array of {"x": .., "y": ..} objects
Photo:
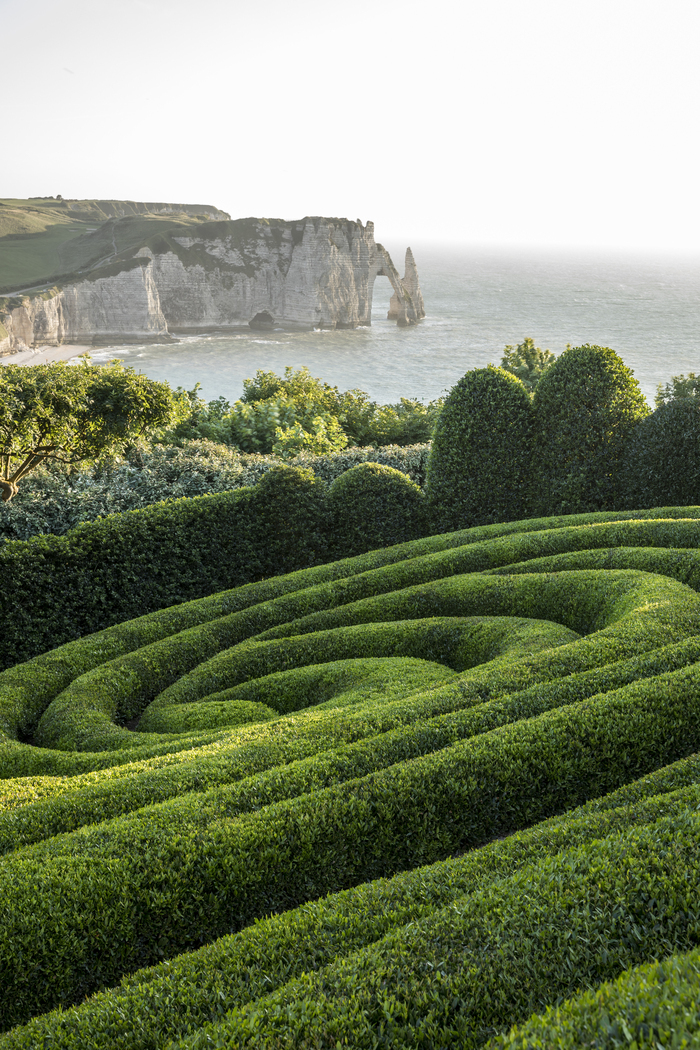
[{"x": 411, "y": 798}]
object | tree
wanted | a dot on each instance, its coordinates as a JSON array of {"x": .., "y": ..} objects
[
  {"x": 298, "y": 412},
  {"x": 480, "y": 457},
  {"x": 527, "y": 362},
  {"x": 680, "y": 387},
  {"x": 585, "y": 406},
  {"x": 71, "y": 413}
]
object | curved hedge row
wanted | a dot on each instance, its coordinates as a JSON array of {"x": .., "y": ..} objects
[
  {"x": 657, "y": 1004},
  {"x": 171, "y": 782}
]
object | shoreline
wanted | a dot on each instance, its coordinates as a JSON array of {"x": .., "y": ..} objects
[{"x": 44, "y": 355}]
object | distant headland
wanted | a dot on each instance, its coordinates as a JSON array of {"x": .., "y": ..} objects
[{"x": 91, "y": 272}]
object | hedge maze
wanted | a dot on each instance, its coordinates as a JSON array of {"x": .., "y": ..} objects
[{"x": 444, "y": 793}]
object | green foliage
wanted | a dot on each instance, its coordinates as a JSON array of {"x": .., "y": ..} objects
[
  {"x": 174, "y": 999},
  {"x": 56, "y": 498},
  {"x": 481, "y": 454},
  {"x": 374, "y": 506},
  {"x": 73, "y": 413},
  {"x": 456, "y": 976},
  {"x": 662, "y": 457},
  {"x": 585, "y": 408},
  {"x": 411, "y": 460},
  {"x": 285, "y": 521},
  {"x": 650, "y": 1006},
  {"x": 483, "y": 745},
  {"x": 298, "y": 413},
  {"x": 527, "y": 362},
  {"x": 680, "y": 387},
  {"x": 322, "y": 437},
  {"x": 58, "y": 588}
]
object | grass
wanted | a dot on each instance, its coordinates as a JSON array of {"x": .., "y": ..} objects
[
  {"x": 43, "y": 241},
  {"x": 410, "y": 799}
]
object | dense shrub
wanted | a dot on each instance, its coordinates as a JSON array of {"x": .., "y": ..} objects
[
  {"x": 528, "y": 362},
  {"x": 175, "y": 998},
  {"x": 56, "y": 499},
  {"x": 297, "y": 412},
  {"x": 662, "y": 458},
  {"x": 411, "y": 460},
  {"x": 374, "y": 506},
  {"x": 681, "y": 386},
  {"x": 650, "y": 1006},
  {"x": 480, "y": 458},
  {"x": 585, "y": 407},
  {"x": 58, "y": 588}
]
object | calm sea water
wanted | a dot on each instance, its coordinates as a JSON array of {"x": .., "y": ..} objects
[{"x": 646, "y": 309}]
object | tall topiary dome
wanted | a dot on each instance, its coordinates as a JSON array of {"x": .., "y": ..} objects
[
  {"x": 586, "y": 406},
  {"x": 480, "y": 459},
  {"x": 662, "y": 458}
]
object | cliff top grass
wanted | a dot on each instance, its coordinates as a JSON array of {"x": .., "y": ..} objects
[{"x": 46, "y": 240}]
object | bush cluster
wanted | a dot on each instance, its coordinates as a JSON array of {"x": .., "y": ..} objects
[
  {"x": 584, "y": 441},
  {"x": 55, "y": 499},
  {"x": 297, "y": 413},
  {"x": 61, "y": 587},
  {"x": 481, "y": 454}
]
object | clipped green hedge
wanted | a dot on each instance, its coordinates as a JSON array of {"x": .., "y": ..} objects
[
  {"x": 480, "y": 459},
  {"x": 392, "y": 718},
  {"x": 214, "y": 873},
  {"x": 462, "y": 973},
  {"x": 57, "y": 588},
  {"x": 176, "y": 997},
  {"x": 231, "y": 617},
  {"x": 319, "y": 730},
  {"x": 585, "y": 408},
  {"x": 662, "y": 458},
  {"x": 650, "y": 1006},
  {"x": 374, "y": 506}
]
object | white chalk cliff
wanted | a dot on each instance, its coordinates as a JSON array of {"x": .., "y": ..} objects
[{"x": 314, "y": 273}]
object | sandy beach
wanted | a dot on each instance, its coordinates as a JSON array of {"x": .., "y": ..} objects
[{"x": 43, "y": 355}]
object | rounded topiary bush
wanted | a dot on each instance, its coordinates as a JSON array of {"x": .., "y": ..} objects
[
  {"x": 662, "y": 458},
  {"x": 480, "y": 459},
  {"x": 585, "y": 407},
  {"x": 374, "y": 506},
  {"x": 287, "y": 521}
]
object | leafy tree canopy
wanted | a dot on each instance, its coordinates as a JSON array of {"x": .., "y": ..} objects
[
  {"x": 298, "y": 412},
  {"x": 72, "y": 413},
  {"x": 527, "y": 362},
  {"x": 680, "y": 387}
]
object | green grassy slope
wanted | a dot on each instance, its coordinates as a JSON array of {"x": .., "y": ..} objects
[
  {"x": 410, "y": 799},
  {"x": 44, "y": 240}
]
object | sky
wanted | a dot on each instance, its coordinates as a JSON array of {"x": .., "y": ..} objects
[{"x": 529, "y": 123}]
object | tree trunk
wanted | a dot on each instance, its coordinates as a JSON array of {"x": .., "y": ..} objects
[{"x": 8, "y": 489}]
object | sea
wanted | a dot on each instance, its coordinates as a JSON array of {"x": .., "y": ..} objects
[{"x": 477, "y": 301}]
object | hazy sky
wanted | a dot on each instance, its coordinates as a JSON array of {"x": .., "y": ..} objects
[{"x": 526, "y": 122}]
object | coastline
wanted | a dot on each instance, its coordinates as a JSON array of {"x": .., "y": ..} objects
[{"x": 43, "y": 355}]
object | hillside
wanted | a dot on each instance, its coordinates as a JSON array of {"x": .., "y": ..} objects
[{"x": 44, "y": 240}]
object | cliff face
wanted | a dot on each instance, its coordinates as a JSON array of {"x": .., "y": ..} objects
[
  {"x": 119, "y": 308},
  {"x": 314, "y": 273}
]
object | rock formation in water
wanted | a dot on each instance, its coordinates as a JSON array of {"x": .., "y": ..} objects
[
  {"x": 217, "y": 276},
  {"x": 408, "y": 297}
]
